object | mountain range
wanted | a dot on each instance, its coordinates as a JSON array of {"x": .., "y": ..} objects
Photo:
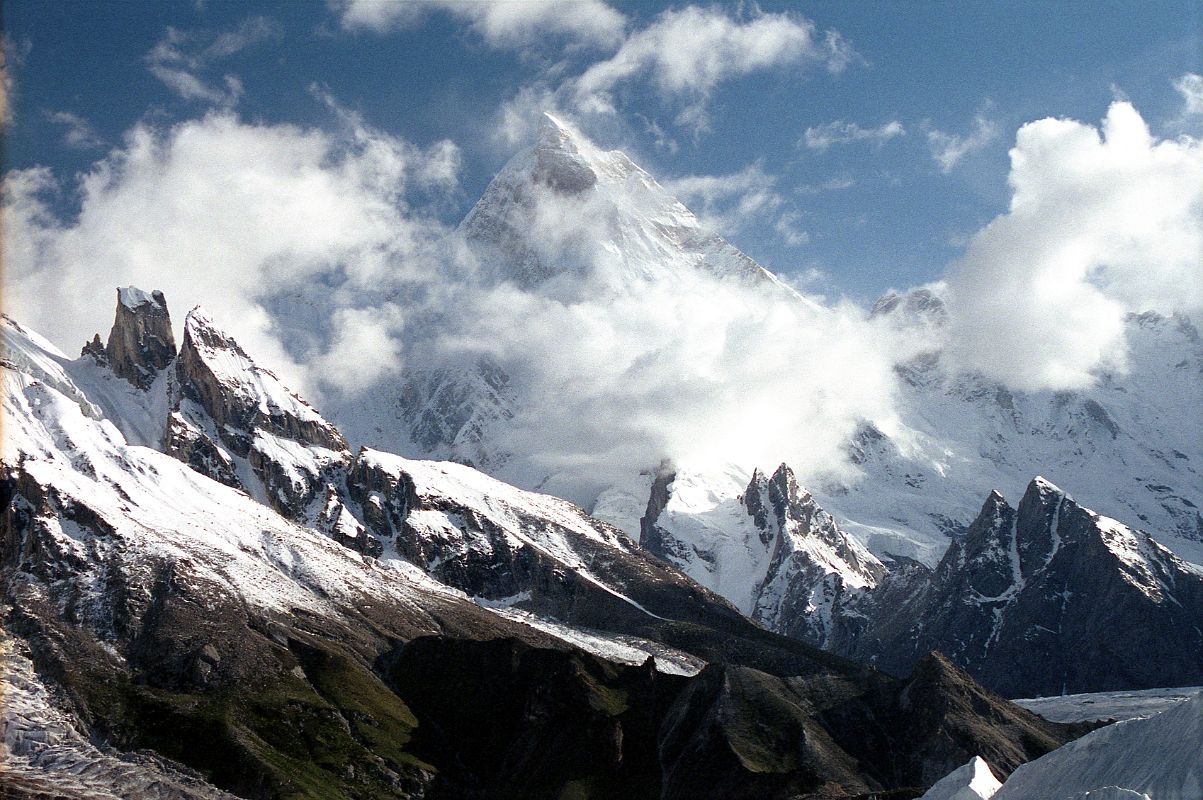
[
  {"x": 210, "y": 588},
  {"x": 249, "y": 606}
]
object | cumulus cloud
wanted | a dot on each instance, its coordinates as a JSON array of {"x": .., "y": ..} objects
[
  {"x": 309, "y": 245},
  {"x": 686, "y": 53},
  {"x": 302, "y": 242},
  {"x": 78, "y": 133},
  {"x": 840, "y": 132},
  {"x": 949, "y": 149},
  {"x": 499, "y": 23},
  {"x": 181, "y": 58},
  {"x": 1101, "y": 223},
  {"x": 284, "y": 232}
]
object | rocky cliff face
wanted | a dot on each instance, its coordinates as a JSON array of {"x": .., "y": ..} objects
[
  {"x": 236, "y": 421},
  {"x": 1038, "y": 599},
  {"x": 771, "y": 550},
  {"x": 1042, "y": 599},
  {"x": 141, "y": 343}
]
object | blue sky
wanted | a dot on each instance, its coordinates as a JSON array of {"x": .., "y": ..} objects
[{"x": 867, "y": 209}]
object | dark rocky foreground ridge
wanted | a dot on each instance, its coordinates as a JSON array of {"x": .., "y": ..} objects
[{"x": 249, "y": 619}]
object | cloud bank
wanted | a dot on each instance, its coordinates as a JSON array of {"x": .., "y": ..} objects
[{"x": 313, "y": 247}]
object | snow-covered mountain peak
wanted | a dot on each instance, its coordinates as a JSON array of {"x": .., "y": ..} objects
[
  {"x": 1045, "y": 488},
  {"x": 916, "y": 305},
  {"x": 238, "y": 393},
  {"x": 763, "y": 542},
  {"x": 565, "y": 208},
  {"x": 1018, "y": 596},
  {"x": 565, "y": 161}
]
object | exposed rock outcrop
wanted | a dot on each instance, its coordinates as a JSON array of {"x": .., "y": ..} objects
[
  {"x": 778, "y": 555},
  {"x": 141, "y": 344},
  {"x": 1039, "y": 600}
]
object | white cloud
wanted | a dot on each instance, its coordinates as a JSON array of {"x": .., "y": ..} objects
[
  {"x": 729, "y": 203},
  {"x": 12, "y": 54},
  {"x": 500, "y": 23},
  {"x": 1100, "y": 223},
  {"x": 840, "y": 132},
  {"x": 251, "y": 220},
  {"x": 686, "y": 53},
  {"x": 789, "y": 228},
  {"x": 948, "y": 149},
  {"x": 1190, "y": 86},
  {"x": 725, "y": 203},
  {"x": 79, "y": 133},
  {"x": 180, "y": 58},
  {"x": 701, "y": 370},
  {"x": 301, "y": 242}
]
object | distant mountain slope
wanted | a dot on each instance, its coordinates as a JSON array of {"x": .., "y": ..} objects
[
  {"x": 1130, "y": 446},
  {"x": 566, "y": 221},
  {"x": 773, "y": 551},
  {"x": 1042, "y": 599},
  {"x": 1039, "y": 600}
]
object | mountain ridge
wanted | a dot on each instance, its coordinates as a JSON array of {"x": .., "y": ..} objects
[{"x": 176, "y": 613}]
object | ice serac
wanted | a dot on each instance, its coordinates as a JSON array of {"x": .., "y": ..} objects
[
  {"x": 974, "y": 781},
  {"x": 769, "y": 548},
  {"x": 141, "y": 343},
  {"x": 1044, "y": 599},
  {"x": 1157, "y": 757}
]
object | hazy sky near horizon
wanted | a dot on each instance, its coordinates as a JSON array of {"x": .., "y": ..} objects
[{"x": 852, "y": 146}]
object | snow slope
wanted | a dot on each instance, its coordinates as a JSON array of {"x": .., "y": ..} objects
[
  {"x": 1160, "y": 756},
  {"x": 1117, "y": 706},
  {"x": 763, "y": 543},
  {"x": 1130, "y": 446}
]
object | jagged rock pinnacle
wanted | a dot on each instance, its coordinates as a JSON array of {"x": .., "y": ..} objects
[{"x": 141, "y": 343}]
